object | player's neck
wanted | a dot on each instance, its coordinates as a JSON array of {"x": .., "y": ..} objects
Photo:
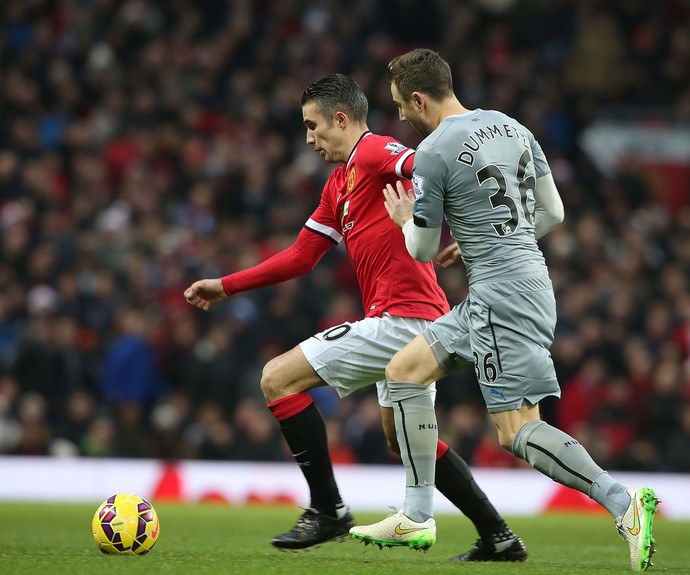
[
  {"x": 353, "y": 139},
  {"x": 450, "y": 107}
]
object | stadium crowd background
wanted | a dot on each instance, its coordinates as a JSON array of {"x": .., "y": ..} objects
[{"x": 145, "y": 144}]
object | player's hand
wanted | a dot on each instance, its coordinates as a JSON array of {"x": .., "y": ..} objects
[
  {"x": 205, "y": 293},
  {"x": 449, "y": 256},
  {"x": 399, "y": 203}
]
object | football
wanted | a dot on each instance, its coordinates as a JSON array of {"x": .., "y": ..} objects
[{"x": 125, "y": 524}]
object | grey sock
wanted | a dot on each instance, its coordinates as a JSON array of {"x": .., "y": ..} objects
[
  {"x": 610, "y": 494},
  {"x": 417, "y": 433},
  {"x": 556, "y": 455},
  {"x": 419, "y": 502}
]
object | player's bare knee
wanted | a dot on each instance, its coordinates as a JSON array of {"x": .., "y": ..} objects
[
  {"x": 505, "y": 438},
  {"x": 395, "y": 372},
  {"x": 506, "y": 441},
  {"x": 271, "y": 384},
  {"x": 505, "y": 431}
]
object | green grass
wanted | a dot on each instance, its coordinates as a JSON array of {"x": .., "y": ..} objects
[{"x": 52, "y": 539}]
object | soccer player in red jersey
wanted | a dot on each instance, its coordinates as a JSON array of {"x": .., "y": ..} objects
[{"x": 400, "y": 297}]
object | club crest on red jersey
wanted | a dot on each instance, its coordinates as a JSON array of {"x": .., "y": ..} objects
[{"x": 351, "y": 179}]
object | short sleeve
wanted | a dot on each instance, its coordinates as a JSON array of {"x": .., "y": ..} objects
[
  {"x": 428, "y": 181},
  {"x": 384, "y": 157},
  {"x": 541, "y": 165}
]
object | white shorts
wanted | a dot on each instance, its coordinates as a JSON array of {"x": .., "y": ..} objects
[{"x": 351, "y": 356}]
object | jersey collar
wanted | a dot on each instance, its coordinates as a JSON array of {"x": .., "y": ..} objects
[{"x": 354, "y": 150}]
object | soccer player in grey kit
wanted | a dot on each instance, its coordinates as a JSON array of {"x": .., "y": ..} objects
[
  {"x": 487, "y": 175},
  {"x": 400, "y": 297}
]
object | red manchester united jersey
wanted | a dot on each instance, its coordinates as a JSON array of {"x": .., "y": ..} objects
[{"x": 352, "y": 210}]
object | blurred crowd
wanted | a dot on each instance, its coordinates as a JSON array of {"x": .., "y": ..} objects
[{"x": 147, "y": 143}]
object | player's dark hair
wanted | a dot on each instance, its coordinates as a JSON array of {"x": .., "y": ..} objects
[
  {"x": 338, "y": 93},
  {"x": 421, "y": 70}
]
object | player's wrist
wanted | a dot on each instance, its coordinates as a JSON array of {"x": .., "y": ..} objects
[{"x": 228, "y": 285}]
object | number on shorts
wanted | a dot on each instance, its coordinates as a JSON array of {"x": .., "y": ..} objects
[
  {"x": 337, "y": 332},
  {"x": 488, "y": 368}
]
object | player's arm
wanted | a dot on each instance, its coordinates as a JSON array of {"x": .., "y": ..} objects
[
  {"x": 449, "y": 256},
  {"x": 298, "y": 259},
  {"x": 549, "y": 206},
  {"x": 421, "y": 242},
  {"x": 406, "y": 164},
  {"x": 548, "y": 212}
]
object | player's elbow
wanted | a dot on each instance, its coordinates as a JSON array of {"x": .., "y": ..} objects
[
  {"x": 548, "y": 216},
  {"x": 554, "y": 218},
  {"x": 421, "y": 243},
  {"x": 558, "y": 214},
  {"x": 549, "y": 201},
  {"x": 420, "y": 254}
]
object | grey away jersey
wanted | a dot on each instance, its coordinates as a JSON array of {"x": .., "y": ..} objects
[{"x": 480, "y": 169}]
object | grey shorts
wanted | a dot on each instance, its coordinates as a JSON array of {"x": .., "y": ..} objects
[
  {"x": 507, "y": 329},
  {"x": 351, "y": 356}
]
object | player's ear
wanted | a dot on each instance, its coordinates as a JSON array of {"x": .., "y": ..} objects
[
  {"x": 417, "y": 100},
  {"x": 340, "y": 119}
]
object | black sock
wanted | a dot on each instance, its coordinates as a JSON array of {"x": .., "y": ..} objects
[
  {"x": 454, "y": 479},
  {"x": 305, "y": 433}
]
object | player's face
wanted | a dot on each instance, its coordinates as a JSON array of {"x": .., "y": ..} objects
[
  {"x": 326, "y": 138},
  {"x": 408, "y": 112}
]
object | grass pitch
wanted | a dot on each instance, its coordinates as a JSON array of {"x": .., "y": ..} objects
[{"x": 55, "y": 539}]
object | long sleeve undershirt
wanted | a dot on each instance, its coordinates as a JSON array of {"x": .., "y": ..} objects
[{"x": 301, "y": 257}]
